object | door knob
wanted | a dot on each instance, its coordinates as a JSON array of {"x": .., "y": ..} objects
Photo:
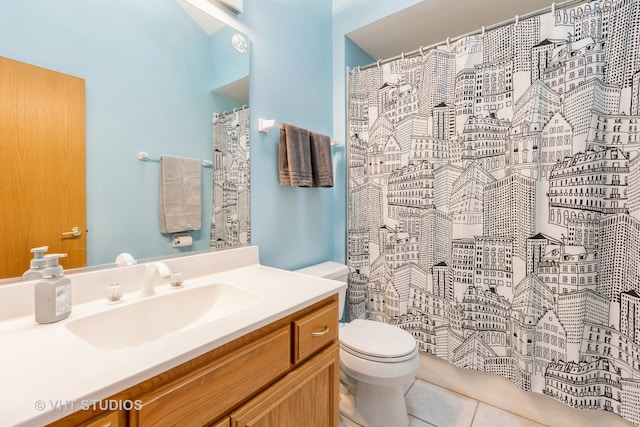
[{"x": 75, "y": 232}]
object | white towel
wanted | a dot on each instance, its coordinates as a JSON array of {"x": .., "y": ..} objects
[{"x": 180, "y": 194}]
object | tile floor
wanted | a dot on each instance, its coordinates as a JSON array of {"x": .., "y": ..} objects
[{"x": 429, "y": 405}]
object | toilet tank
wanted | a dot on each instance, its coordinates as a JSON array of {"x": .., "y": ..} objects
[{"x": 330, "y": 270}]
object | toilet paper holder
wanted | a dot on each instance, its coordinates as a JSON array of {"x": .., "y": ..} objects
[{"x": 182, "y": 240}]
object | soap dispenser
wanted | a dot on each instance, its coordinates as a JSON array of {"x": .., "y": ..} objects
[
  {"x": 36, "y": 264},
  {"x": 52, "y": 292}
]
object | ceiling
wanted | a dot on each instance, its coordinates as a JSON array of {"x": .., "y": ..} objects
[
  {"x": 432, "y": 21},
  {"x": 205, "y": 14}
]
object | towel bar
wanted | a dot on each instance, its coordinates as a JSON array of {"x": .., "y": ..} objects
[
  {"x": 145, "y": 156},
  {"x": 264, "y": 125}
]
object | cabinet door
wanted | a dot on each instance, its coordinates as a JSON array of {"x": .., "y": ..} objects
[{"x": 308, "y": 396}]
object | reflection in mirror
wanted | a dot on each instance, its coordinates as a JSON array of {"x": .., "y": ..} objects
[
  {"x": 149, "y": 96},
  {"x": 42, "y": 132},
  {"x": 230, "y": 222}
]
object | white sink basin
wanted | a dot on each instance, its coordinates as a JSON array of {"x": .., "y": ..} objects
[{"x": 160, "y": 315}]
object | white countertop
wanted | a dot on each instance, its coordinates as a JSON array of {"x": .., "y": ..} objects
[{"x": 48, "y": 372}]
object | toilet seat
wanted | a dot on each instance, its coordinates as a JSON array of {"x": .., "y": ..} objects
[{"x": 377, "y": 341}]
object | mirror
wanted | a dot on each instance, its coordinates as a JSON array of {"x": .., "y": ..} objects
[{"x": 156, "y": 95}]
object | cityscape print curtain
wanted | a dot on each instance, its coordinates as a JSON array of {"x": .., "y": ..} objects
[
  {"x": 494, "y": 202},
  {"x": 231, "y": 219}
]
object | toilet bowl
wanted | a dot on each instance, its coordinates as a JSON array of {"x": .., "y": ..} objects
[{"x": 376, "y": 361}]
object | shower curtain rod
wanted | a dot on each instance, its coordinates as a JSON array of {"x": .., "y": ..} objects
[
  {"x": 226, "y": 113},
  {"x": 422, "y": 50}
]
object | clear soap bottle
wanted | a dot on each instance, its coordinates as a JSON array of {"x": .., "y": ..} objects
[
  {"x": 52, "y": 292},
  {"x": 36, "y": 265}
]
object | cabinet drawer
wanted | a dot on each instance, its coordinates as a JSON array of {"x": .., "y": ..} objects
[
  {"x": 226, "y": 422},
  {"x": 314, "y": 331},
  {"x": 112, "y": 419},
  {"x": 210, "y": 392}
]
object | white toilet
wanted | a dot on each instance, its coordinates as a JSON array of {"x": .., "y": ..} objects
[{"x": 376, "y": 360}]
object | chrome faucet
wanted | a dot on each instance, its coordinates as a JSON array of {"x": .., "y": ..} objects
[{"x": 150, "y": 269}]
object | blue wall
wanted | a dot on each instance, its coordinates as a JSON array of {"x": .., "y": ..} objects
[
  {"x": 149, "y": 73},
  {"x": 291, "y": 82},
  {"x": 234, "y": 66}
]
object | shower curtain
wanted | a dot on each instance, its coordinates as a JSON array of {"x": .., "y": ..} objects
[
  {"x": 231, "y": 219},
  {"x": 494, "y": 202}
]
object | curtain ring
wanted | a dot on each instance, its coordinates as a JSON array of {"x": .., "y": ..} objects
[
  {"x": 553, "y": 8},
  {"x": 234, "y": 109},
  {"x": 483, "y": 31},
  {"x": 378, "y": 64},
  {"x": 358, "y": 68},
  {"x": 402, "y": 56},
  {"x": 449, "y": 42},
  {"x": 421, "y": 51},
  {"x": 517, "y": 19},
  {"x": 224, "y": 113}
]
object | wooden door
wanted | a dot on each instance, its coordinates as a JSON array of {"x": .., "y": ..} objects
[{"x": 42, "y": 165}]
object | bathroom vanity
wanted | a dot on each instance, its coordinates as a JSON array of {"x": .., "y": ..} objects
[
  {"x": 285, "y": 374},
  {"x": 273, "y": 360}
]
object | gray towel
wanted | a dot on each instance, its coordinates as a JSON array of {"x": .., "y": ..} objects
[
  {"x": 294, "y": 156},
  {"x": 180, "y": 198},
  {"x": 321, "y": 160}
]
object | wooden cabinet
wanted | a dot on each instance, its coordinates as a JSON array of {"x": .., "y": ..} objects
[
  {"x": 305, "y": 397},
  {"x": 111, "y": 419},
  {"x": 283, "y": 374},
  {"x": 201, "y": 396},
  {"x": 314, "y": 331}
]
